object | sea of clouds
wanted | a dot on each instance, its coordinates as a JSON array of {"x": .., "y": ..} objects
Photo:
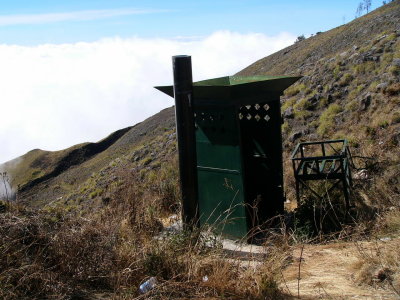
[{"x": 54, "y": 96}]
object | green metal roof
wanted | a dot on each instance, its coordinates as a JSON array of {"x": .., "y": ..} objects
[
  {"x": 235, "y": 88},
  {"x": 235, "y": 80}
]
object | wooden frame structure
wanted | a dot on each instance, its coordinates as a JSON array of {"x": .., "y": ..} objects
[{"x": 323, "y": 160}]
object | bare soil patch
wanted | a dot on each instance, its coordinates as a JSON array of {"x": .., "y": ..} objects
[{"x": 328, "y": 272}]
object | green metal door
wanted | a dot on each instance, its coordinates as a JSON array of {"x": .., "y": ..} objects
[{"x": 219, "y": 170}]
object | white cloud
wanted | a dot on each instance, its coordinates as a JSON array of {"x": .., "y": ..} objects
[
  {"x": 82, "y": 15},
  {"x": 54, "y": 96}
]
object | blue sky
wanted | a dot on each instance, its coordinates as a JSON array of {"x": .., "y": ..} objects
[
  {"x": 75, "y": 71},
  {"x": 89, "y": 20}
]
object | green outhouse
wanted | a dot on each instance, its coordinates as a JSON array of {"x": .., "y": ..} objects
[{"x": 238, "y": 151}]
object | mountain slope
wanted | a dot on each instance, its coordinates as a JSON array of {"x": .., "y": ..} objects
[
  {"x": 85, "y": 165},
  {"x": 350, "y": 89},
  {"x": 300, "y": 56},
  {"x": 92, "y": 230}
]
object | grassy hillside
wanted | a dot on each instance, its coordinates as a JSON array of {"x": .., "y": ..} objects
[
  {"x": 302, "y": 56},
  {"x": 34, "y": 164},
  {"x": 350, "y": 89},
  {"x": 86, "y": 218},
  {"x": 88, "y": 171}
]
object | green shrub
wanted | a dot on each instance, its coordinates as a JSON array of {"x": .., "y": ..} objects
[
  {"x": 147, "y": 161},
  {"x": 336, "y": 72},
  {"x": 95, "y": 193},
  {"x": 392, "y": 37},
  {"x": 323, "y": 102},
  {"x": 396, "y": 48},
  {"x": 346, "y": 79},
  {"x": 302, "y": 105},
  {"x": 355, "y": 92},
  {"x": 394, "y": 70},
  {"x": 383, "y": 123},
  {"x": 373, "y": 85},
  {"x": 387, "y": 58},
  {"x": 370, "y": 131},
  {"x": 351, "y": 106},
  {"x": 365, "y": 49},
  {"x": 333, "y": 109},
  {"x": 295, "y": 89},
  {"x": 327, "y": 117},
  {"x": 307, "y": 91},
  {"x": 364, "y": 68},
  {"x": 288, "y": 103},
  {"x": 285, "y": 127},
  {"x": 302, "y": 114},
  {"x": 313, "y": 124}
]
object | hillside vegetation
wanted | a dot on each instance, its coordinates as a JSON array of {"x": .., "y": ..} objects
[
  {"x": 350, "y": 89},
  {"x": 86, "y": 222}
]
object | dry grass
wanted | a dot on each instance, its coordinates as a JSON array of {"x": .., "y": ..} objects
[
  {"x": 326, "y": 120},
  {"x": 378, "y": 264},
  {"x": 111, "y": 248},
  {"x": 58, "y": 255}
]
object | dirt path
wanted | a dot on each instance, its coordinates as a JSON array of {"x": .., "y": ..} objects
[{"x": 327, "y": 272}]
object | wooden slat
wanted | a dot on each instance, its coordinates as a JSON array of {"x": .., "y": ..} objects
[
  {"x": 321, "y": 169},
  {"x": 333, "y": 165},
  {"x": 313, "y": 165}
]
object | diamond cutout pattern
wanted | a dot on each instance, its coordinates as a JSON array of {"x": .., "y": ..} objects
[{"x": 256, "y": 112}]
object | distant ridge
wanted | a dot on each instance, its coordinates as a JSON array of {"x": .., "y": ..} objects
[{"x": 75, "y": 157}]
